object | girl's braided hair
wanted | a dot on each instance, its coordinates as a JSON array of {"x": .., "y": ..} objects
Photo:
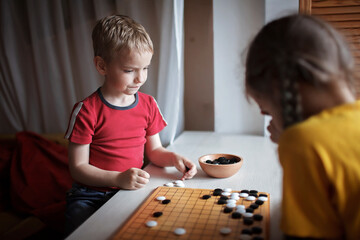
[{"x": 294, "y": 49}]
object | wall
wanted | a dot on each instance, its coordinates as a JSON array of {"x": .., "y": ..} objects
[
  {"x": 199, "y": 65},
  {"x": 235, "y": 23},
  {"x": 277, "y": 8},
  {"x": 216, "y": 35}
]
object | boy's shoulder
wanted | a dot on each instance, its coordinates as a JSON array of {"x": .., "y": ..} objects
[
  {"x": 146, "y": 97},
  {"x": 92, "y": 97},
  {"x": 90, "y": 100}
]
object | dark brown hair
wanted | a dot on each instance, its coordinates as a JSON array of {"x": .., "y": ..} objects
[
  {"x": 115, "y": 33},
  {"x": 293, "y": 49}
]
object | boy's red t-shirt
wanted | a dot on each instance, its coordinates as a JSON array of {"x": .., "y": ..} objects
[{"x": 116, "y": 135}]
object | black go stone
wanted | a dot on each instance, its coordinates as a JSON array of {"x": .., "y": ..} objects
[
  {"x": 166, "y": 201},
  {"x": 221, "y": 201},
  {"x": 224, "y": 198},
  {"x": 253, "y": 194},
  {"x": 206, "y": 197},
  {"x": 236, "y": 215},
  {"x": 217, "y": 192},
  {"x": 259, "y": 202},
  {"x": 263, "y": 195},
  {"x": 228, "y": 210},
  {"x": 248, "y": 221},
  {"x": 253, "y": 191},
  {"x": 258, "y": 217},
  {"x": 246, "y": 231},
  {"x": 250, "y": 210},
  {"x": 157, "y": 214},
  {"x": 254, "y": 206},
  {"x": 222, "y": 160},
  {"x": 208, "y": 161},
  {"x": 245, "y": 191},
  {"x": 257, "y": 230}
]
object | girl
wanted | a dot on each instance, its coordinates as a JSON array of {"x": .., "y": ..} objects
[{"x": 300, "y": 72}]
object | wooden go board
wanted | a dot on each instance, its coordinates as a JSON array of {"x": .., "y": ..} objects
[{"x": 201, "y": 218}]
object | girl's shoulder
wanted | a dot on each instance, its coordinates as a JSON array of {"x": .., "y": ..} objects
[{"x": 334, "y": 123}]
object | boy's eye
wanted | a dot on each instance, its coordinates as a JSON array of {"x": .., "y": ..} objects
[{"x": 128, "y": 71}]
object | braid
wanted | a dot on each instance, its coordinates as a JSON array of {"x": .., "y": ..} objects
[{"x": 291, "y": 102}]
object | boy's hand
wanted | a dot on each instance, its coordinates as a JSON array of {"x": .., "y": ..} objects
[
  {"x": 185, "y": 166},
  {"x": 133, "y": 178}
]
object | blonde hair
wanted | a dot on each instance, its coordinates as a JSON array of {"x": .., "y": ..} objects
[
  {"x": 115, "y": 33},
  {"x": 294, "y": 49}
]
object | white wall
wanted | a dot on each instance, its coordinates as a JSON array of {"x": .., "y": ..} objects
[
  {"x": 235, "y": 23},
  {"x": 278, "y": 8}
]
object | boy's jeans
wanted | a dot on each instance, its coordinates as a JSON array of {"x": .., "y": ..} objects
[{"x": 81, "y": 203}]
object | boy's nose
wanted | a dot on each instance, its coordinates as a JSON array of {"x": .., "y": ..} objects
[{"x": 140, "y": 78}]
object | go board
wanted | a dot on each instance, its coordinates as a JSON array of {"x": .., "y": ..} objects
[{"x": 201, "y": 218}]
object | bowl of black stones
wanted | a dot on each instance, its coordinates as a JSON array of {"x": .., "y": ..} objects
[{"x": 220, "y": 165}]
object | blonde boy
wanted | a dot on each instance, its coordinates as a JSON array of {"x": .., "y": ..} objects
[{"x": 110, "y": 130}]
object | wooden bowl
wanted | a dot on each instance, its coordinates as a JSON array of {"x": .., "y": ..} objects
[{"x": 221, "y": 170}]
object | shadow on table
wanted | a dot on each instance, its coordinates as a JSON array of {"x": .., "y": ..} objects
[{"x": 173, "y": 173}]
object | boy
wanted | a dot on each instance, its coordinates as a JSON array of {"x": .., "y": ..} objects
[{"x": 108, "y": 130}]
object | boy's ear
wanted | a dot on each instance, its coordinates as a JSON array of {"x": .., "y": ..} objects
[{"x": 100, "y": 65}]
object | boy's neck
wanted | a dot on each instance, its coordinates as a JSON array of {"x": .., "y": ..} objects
[{"x": 116, "y": 98}]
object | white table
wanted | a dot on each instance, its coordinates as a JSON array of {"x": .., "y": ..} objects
[{"x": 261, "y": 171}]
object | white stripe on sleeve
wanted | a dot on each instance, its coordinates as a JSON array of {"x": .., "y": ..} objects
[
  {"x": 159, "y": 110},
  {"x": 73, "y": 119}
]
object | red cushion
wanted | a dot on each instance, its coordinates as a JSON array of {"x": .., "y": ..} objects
[{"x": 40, "y": 178}]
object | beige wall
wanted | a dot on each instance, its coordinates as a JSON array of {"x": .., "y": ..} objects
[{"x": 199, "y": 65}]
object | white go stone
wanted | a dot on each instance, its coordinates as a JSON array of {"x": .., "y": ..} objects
[
  {"x": 225, "y": 230},
  {"x": 179, "y": 183},
  {"x": 231, "y": 200},
  {"x": 264, "y": 199},
  {"x": 225, "y": 193},
  {"x": 231, "y": 205},
  {"x": 179, "y": 231},
  {"x": 170, "y": 184},
  {"x": 250, "y": 198},
  {"x": 235, "y": 198},
  {"x": 227, "y": 189},
  {"x": 160, "y": 198},
  {"x": 240, "y": 207},
  {"x": 248, "y": 214},
  {"x": 241, "y": 210},
  {"x": 235, "y": 194},
  {"x": 151, "y": 224},
  {"x": 243, "y": 195}
]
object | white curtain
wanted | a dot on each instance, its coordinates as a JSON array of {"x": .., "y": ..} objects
[{"x": 46, "y": 59}]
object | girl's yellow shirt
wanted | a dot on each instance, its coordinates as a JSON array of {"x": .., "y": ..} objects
[{"x": 321, "y": 175}]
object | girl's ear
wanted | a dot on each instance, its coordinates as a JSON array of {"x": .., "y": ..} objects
[{"x": 100, "y": 65}]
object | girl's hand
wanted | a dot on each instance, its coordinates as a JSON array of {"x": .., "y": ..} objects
[
  {"x": 185, "y": 166},
  {"x": 133, "y": 178},
  {"x": 275, "y": 131}
]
